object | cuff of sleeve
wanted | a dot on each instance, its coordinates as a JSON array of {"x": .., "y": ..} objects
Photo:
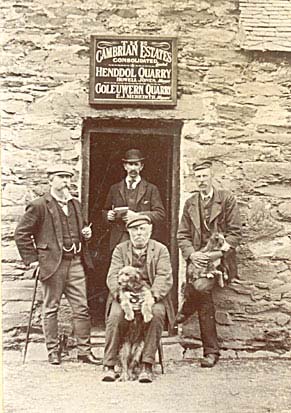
[
  {"x": 191, "y": 256},
  {"x": 189, "y": 253}
]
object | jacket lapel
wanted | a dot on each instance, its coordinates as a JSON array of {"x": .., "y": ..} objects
[
  {"x": 53, "y": 209},
  {"x": 128, "y": 251},
  {"x": 150, "y": 257},
  {"x": 216, "y": 206},
  {"x": 78, "y": 214},
  {"x": 141, "y": 190},
  {"x": 194, "y": 212},
  {"x": 122, "y": 190}
]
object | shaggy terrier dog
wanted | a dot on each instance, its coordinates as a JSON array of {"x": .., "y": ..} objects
[
  {"x": 134, "y": 294},
  {"x": 137, "y": 301}
]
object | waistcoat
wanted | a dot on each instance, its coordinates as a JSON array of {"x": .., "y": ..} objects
[
  {"x": 205, "y": 212},
  {"x": 70, "y": 227}
]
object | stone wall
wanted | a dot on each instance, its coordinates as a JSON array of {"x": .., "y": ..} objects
[{"x": 234, "y": 105}]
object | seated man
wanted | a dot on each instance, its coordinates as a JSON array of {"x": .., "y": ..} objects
[{"x": 153, "y": 259}]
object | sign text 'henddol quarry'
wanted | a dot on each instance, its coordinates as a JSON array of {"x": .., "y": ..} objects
[{"x": 133, "y": 70}]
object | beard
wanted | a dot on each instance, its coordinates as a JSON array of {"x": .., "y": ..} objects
[
  {"x": 140, "y": 242},
  {"x": 66, "y": 191}
]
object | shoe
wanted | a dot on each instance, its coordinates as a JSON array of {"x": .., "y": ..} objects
[
  {"x": 108, "y": 374},
  {"x": 146, "y": 375},
  {"x": 90, "y": 359},
  {"x": 180, "y": 318},
  {"x": 54, "y": 358},
  {"x": 210, "y": 360}
]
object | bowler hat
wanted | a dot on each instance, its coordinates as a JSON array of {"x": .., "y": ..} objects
[
  {"x": 201, "y": 165},
  {"x": 138, "y": 219},
  {"x": 133, "y": 155},
  {"x": 60, "y": 169}
]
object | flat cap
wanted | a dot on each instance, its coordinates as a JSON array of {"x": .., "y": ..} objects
[
  {"x": 201, "y": 165},
  {"x": 60, "y": 169},
  {"x": 138, "y": 219},
  {"x": 133, "y": 155}
]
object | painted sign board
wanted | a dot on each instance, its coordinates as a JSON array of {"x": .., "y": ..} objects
[{"x": 133, "y": 70}]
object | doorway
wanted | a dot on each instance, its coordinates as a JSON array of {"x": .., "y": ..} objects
[{"x": 104, "y": 144}]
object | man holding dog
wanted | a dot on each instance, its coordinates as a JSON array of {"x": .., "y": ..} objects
[
  {"x": 153, "y": 260},
  {"x": 51, "y": 235},
  {"x": 132, "y": 194},
  {"x": 207, "y": 211}
]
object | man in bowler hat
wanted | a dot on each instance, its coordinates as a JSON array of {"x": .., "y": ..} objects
[
  {"x": 135, "y": 194},
  {"x": 51, "y": 235},
  {"x": 208, "y": 210}
]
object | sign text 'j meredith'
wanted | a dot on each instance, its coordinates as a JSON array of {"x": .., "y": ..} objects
[{"x": 132, "y": 70}]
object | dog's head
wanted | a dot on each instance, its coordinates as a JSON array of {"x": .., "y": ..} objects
[
  {"x": 130, "y": 279},
  {"x": 216, "y": 241}
]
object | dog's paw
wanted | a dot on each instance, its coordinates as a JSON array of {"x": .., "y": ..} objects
[
  {"x": 129, "y": 316},
  {"x": 147, "y": 316}
]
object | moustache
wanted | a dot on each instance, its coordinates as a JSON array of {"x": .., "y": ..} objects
[{"x": 66, "y": 190}]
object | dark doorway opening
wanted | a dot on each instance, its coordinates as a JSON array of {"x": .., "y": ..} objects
[{"x": 104, "y": 144}]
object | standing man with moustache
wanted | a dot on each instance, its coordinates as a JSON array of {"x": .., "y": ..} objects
[
  {"x": 136, "y": 194},
  {"x": 51, "y": 234},
  {"x": 208, "y": 210}
]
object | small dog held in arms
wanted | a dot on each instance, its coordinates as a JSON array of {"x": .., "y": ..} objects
[
  {"x": 212, "y": 272},
  {"x": 137, "y": 301},
  {"x": 134, "y": 294}
]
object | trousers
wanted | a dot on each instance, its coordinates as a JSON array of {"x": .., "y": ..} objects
[
  {"x": 69, "y": 280},
  {"x": 115, "y": 328},
  {"x": 202, "y": 302}
]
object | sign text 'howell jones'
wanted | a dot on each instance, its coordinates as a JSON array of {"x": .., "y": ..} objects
[{"x": 133, "y": 70}]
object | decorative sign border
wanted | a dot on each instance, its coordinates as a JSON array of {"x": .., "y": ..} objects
[{"x": 133, "y": 70}]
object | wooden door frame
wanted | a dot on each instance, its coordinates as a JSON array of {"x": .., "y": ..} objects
[{"x": 123, "y": 126}]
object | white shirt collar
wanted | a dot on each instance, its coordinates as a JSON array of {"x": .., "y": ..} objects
[
  {"x": 58, "y": 199},
  {"x": 139, "y": 252},
  {"x": 207, "y": 196},
  {"x": 62, "y": 202},
  {"x": 137, "y": 180}
]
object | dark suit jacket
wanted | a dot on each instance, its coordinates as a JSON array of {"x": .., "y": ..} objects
[
  {"x": 159, "y": 272},
  {"x": 148, "y": 201},
  {"x": 224, "y": 218},
  {"x": 39, "y": 237}
]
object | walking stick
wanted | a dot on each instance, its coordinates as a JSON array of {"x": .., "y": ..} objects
[{"x": 35, "y": 274}]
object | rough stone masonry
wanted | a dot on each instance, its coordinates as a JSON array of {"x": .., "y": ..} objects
[{"x": 235, "y": 107}]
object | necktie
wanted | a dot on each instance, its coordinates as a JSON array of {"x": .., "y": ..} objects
[
  {"x": 131, "y": 182},
  {"x": 64, "y": 206},
  {"x": 206, "y": 199}
]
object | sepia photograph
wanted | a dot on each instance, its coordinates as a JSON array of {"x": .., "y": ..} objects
[{"x": 146, "y": 206}]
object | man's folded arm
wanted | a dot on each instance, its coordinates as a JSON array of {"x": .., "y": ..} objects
[
  {"x": 24, "y": 235},
  {"x": 163, "y": 281},
  {"x": 112, "y": 277},
  {"x": 184, "y": 236}
]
